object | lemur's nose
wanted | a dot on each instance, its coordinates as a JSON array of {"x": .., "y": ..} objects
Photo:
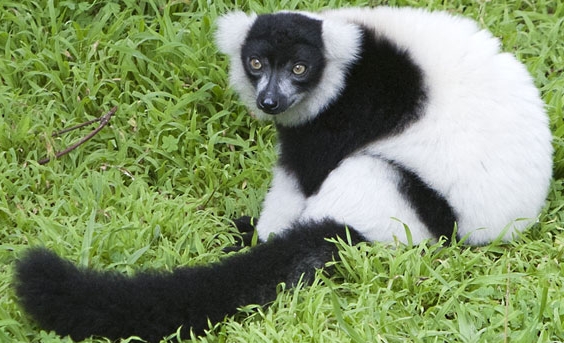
[{"x": 269, "y": 104}]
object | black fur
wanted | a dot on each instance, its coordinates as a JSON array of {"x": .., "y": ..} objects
[
  {"x": 83, "y": 302},
  {"x": 431, "y": 207},
  {"x": 384, "y": 92}
]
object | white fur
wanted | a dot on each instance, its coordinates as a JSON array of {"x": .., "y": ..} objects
[
  {"x": 363, "y": 193},
  {"x": 483, "y": 141},
  {"x": 283, "y": 205},
  {"x": 232, "y": 30}
]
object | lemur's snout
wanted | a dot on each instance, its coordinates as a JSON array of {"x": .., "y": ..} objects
[{"x": 269, "y": 104}]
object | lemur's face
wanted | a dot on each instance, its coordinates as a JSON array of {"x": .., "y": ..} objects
[
  {"x": 288, "y": 66},
  {"x": 283, "y": 58}
]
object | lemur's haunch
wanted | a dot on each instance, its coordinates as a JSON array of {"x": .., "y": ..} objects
[{"x": 387, "y": 118}]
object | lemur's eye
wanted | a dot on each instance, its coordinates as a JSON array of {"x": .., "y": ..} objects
[
  {"x": 299, "y": 69},
  {"x": 255, "y": 64}
]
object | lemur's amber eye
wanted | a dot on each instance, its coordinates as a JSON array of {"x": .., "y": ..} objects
[
  {"x": 299, "y": 69},
  {"x": 255, "y": 64}
]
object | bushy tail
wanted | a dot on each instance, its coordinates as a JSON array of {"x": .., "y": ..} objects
[{"x": 151, "y": 305}]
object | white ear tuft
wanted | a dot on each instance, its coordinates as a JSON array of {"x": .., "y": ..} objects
[
  {"x": 341, "y": 39},
  {"x": 232, "y": 30}
]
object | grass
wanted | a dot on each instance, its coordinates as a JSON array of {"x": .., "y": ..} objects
[{"x": 159, "y": 186}]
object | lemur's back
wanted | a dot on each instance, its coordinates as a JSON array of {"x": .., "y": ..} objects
[{"x": 484, "y": 140}]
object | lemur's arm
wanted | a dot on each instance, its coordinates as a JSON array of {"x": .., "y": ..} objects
[{"x": 282, "y": 205}]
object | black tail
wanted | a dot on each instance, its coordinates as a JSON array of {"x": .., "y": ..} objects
[{"x": 151, "y": 305}]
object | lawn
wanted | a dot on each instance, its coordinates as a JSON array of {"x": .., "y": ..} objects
[{"x": 159, "y": 185}]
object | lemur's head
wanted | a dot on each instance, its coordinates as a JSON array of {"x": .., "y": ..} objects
[{"x": 287, "y": 66}]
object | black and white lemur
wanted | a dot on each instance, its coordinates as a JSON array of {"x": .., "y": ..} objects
[{"x": 387, "y": 118}]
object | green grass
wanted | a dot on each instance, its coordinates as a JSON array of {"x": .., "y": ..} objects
[{"x": 158, "y": 187}]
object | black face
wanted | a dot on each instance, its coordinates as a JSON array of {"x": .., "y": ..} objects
[{"x": 283, "y": 58}]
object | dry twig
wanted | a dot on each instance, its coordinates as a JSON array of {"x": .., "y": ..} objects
[{"x": 104, "y": 120}]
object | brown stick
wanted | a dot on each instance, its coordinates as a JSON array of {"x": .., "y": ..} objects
[
  {"x": 104, "y": 120},
  {"x": 63, "y": 131}
]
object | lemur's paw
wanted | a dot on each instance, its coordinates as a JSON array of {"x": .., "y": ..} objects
[{"x": 246, "y": 226}]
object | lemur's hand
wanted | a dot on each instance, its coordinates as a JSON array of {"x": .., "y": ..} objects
[{"x": 246, "y": 225}]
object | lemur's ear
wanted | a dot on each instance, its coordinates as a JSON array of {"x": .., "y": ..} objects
[
  {"x": 232, "y": 30},
  {"x": 342, "y": 40}
]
